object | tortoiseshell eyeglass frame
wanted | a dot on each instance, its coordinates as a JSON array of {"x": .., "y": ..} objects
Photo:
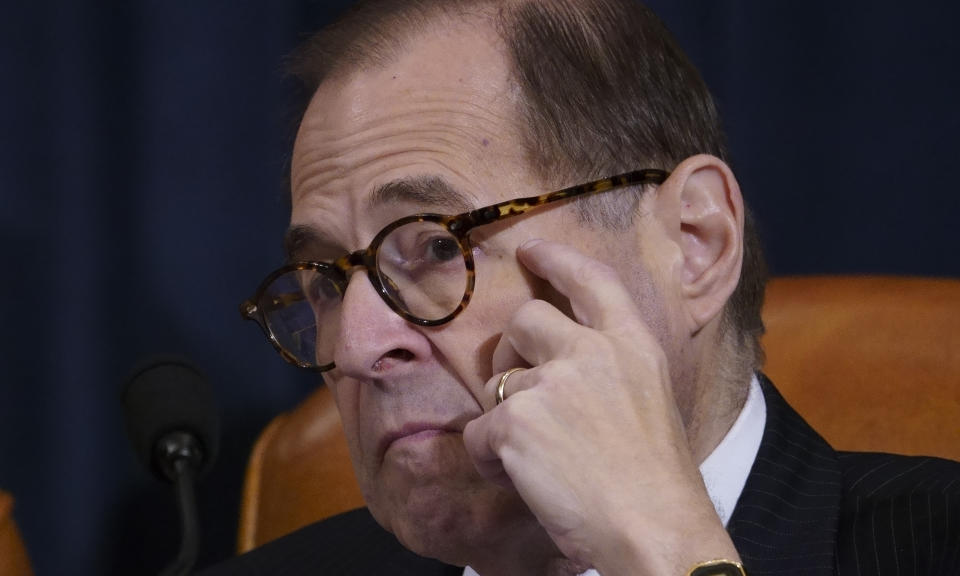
[{"x": 459, "y": 227}]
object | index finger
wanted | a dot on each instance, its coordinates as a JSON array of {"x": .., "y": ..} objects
[{"x": 596, "y": 293}]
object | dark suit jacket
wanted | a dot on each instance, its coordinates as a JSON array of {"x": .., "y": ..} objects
[{"x": 806, "y": 510}]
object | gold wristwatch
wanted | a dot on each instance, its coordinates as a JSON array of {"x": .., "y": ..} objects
[{"x": 717, "y": 568}]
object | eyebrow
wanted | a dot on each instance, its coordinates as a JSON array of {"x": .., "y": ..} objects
[
  {"x": 431, "y": 192},
  {"x": 298, "y": 239}
]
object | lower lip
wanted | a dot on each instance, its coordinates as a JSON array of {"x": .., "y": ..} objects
[
  {"x": 421, "y": 434},
  {"x": 417, "y": 437}
]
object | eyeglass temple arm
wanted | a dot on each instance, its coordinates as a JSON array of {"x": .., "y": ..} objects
[{"x": 519, "y": 206}]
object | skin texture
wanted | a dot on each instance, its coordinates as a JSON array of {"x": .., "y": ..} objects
[{"x": 592, "y": 459}]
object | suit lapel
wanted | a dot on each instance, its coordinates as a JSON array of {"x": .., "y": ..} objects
[{"x": 786, "y": 519}]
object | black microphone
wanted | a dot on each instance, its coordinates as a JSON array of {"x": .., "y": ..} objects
[{"x": 173, "y": 424}]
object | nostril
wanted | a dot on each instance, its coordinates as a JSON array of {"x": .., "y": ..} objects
[
  {"x": 391, "y": 357},
  {"x": 400, "y": 354}
]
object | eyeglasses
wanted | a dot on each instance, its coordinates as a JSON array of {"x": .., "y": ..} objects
[{"x": 421, "y": 266}]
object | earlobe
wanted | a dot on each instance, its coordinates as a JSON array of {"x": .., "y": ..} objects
[{"x": 710, "y": 217}]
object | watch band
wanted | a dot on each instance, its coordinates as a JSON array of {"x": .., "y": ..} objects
[{"x": 717, "y": 568}]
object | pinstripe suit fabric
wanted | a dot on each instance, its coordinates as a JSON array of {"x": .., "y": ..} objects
[{"x": 806, "y": 510}]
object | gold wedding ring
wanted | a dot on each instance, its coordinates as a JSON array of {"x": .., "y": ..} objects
[{"x": 503, "y": 382}]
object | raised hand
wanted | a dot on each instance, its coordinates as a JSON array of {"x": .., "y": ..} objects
[{"x": 590, "y": 435}]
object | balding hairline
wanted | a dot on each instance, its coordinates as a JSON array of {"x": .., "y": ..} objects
[{"x": 376, "y": 35}]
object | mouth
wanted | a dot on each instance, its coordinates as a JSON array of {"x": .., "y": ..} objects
[{"x": 414, "y": 431}]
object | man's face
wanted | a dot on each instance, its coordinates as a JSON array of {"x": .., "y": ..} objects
[{"x": 444, "y": 111}]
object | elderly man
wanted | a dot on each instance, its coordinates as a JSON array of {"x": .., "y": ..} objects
[{"x": 537, "y": 382}]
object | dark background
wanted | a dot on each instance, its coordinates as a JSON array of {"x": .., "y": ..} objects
[{"x": 142, "y": 154}]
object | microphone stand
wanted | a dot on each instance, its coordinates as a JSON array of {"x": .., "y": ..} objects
[{"x": 180, "y": 456}]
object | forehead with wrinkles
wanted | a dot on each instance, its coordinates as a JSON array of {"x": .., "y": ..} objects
[{"x": 446, "y": 102}]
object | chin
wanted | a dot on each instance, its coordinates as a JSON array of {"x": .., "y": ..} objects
[{"x": 451, "y": 520}]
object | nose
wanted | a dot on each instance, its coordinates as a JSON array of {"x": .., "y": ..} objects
[{"x": 373, "y": 341}]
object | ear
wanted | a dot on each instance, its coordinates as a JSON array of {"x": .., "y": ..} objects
[{"x": 702, "y": 209}]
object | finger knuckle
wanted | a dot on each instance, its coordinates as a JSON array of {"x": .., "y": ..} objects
[
  {"x": 653, "y": 360},
  {"x": 547, "y": 373},
  {"x": 593, "y": 348},
  {"x": 510, "y": 419},
  {"x": 530, "y": 312},
  {"x": 500, "y": 430}
]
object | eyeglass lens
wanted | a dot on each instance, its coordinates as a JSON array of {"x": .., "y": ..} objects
[{"x": 420, "y": 266}]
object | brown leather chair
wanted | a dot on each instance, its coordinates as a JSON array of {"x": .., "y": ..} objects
[
  {"x": 872, "y": 362},
  {"x": 299, "y": 472},
  {"x": 13, "y": 555}
]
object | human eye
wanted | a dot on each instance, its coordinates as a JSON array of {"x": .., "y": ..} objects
[
  {"x": 421, "y": 244},
  {"x": 434, "y": 249},
  {"x": 321, "y": 287},
  {"x": 442, "y": 248}
]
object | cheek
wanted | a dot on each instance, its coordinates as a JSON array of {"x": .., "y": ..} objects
[
  {"x": 349, "y": 411},
  {"x": 468, "y": 342}
]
